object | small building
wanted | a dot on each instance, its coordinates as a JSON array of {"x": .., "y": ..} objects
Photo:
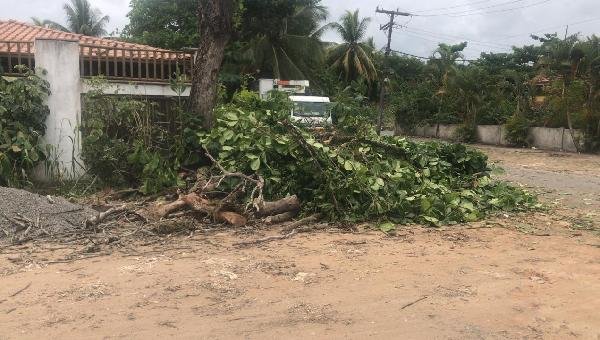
[{"x": 68, "y": 59}]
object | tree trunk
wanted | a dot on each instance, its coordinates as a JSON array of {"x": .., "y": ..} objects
[
  {"x": 569, "y": 121},
  {"x": 215, "y": 27},
  {"x": 287, "y": 204}
]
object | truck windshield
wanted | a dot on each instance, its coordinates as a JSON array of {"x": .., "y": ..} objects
[{"x": 310, "y": 109}]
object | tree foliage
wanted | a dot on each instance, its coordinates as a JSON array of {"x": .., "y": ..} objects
[
  {"x": 166, "y": 24},
  {"x": 82, "y": 18},
  {"x": 282, "y": 37},
  {"x": 356, "y": 176},
  {"x": 23, "y": 115},
  {"x": 353, "y": 58}
]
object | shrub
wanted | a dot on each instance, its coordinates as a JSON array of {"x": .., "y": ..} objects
[
  {"x": 517, "y": 130},
  {"x": 466, "y": 133},
  {"x": 22, "y": 124},
  {"x": 129, "y": 142}
]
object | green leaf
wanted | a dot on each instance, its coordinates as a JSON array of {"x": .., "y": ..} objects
[
  {"x": 231, "y": 116},
  {"x": 255, "y": 165},
  {"x": 432, "y": 220},
  {"x": 467, "y": 205},
  {"x": 387, "y": 227},
  {"x": 348, "y": 166}
]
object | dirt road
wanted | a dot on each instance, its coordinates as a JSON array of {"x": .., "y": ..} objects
[{"x": 532, "y": 276}]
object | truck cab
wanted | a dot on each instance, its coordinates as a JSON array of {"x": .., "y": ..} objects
[{"x": 310, "y": 110}]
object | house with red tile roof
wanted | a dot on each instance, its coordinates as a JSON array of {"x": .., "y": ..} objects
[
  {"x": 110, "y": 58},
  {"x": 69, "y": 59}
]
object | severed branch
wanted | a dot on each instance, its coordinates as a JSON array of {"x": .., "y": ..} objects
[
  {"x": 101, "y": 217},
  {"x": 303, "y": 221},
  {"x": 258, "y": 182},
  {"x": 287, "y": 204},
  {"x": 280, "y": 218},
  {"x": 302, "y": 141},
  {"x": 20, "y": 290},
  {"x": 413, "y": 302}
]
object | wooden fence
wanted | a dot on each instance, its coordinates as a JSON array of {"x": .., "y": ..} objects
[
  {"x": 114, "y": 63},
  {"x": 129, "y": 64},
  {"x": 13, "y": 53}
]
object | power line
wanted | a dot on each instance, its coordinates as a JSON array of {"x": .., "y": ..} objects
[
  {"x": 478, "y": 9},
  {"x": 451, "y": 7},
  {"x": 548, "y": 28},
  {"x": 429, "y": 58},
  {"x": 418, "y": 35},
  {"x": 458, "y": 15},
  {"x": 435, "y": 34}
]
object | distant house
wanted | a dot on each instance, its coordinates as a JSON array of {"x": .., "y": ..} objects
[
  {"x": 540, "y": 83},
  {"x": 68, "y": 59}
]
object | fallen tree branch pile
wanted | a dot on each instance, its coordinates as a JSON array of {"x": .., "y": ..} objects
[{"x": 265, "y": 169}]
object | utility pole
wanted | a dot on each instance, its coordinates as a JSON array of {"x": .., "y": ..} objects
[{"x": 388, "y": 50}]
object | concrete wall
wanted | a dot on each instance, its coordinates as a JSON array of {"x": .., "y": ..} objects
[
  {"x": 555, "y": 138},
  {"x": 138, "y": 89},
  {"x": 491, "y": 134},
  {"x": 539, "y": 137},
  {"x": 447, "y": 131},
  {"x": 60, "y": 61},
  {"x": 443, "y": 131}
]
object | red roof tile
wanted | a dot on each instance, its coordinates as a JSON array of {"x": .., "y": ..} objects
[{"x": 19, "y": 37}]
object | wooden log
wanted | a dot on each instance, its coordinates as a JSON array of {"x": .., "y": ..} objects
[
  {"x": 196, "y": 203},
  {"x": 232, "y": 218},
  {"x": 101, "y": 217},
  {"x": 287, "y": 204},
  {"x": 276, "y": 219},
  {"x": 164, "y": 210}
]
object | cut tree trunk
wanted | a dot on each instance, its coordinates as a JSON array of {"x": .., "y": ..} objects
[
  {"x": 215, "y": 26},
  {"x": 284, "y": 205}
]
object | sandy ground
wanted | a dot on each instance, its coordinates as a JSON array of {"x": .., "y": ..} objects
[{"x": 531, "y": 276}]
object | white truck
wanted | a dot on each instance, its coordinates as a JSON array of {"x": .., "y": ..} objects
[{"x": 311, "y": 110}]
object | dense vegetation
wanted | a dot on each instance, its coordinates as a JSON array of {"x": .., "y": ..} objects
[
  {"x": 129, "y": 141},
  {"x": 345, "y": 173},
  {"x": 22, "y": 124},
  {"x": 351, "y": 174},
  {"x": 553, "y": 83}
]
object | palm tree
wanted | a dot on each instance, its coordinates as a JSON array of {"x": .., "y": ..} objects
[
  {"x": 591, "y": 66},
  {"x": 81, "y": 19},
  {"x": 563, "y": 57},
  {"x": 291, "y": 48},
  {"x": 443, "y": 64},
  {"x": 353, "y": 58},
  {"x": 40, "y": 22}
]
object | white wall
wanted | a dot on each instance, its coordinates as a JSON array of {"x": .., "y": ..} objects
[
  {"x": 60, "y": 61},
  {"x": 138, "y": 89},
  {"x": 539, "y": 137}
]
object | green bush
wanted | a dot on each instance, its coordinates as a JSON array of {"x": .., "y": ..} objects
[
  {"x": 517, "y": 130},
  {"x": 466, "y": 133},
  {"x": 357, "y": 176},
  {"x": 128, "y": 142},
  {"x": 22, "y": 124}
]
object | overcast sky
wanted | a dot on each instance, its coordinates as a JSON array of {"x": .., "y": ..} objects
[{"x": 489, "y": 25}]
